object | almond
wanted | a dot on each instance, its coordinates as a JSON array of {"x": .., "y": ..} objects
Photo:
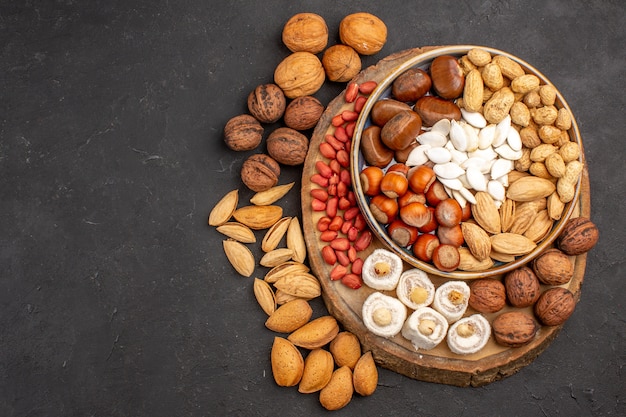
[
  {"x": 467, "y": 261},
  {"x": 285, "y": 269},
  {"x": 346, "y": 349},
  {"x": 264, "y": 296},
  {"x": 315, "y": 333},
  {"x": 267, "y": 197},
  {"x": 338, "y": 392},
  {"x": 276, "y": 257},
  {"x": 524, "y": 215},
  {"x": 237, "y": 231},
  {"x": 530, "y": 188},
  {"x": 477, "y": 240},
  {"x": 507, "y": 213},
  {"x": 303, "y": 285},
  {"x": 486, "y": 213},
  {"x": 318, "y": 369},
  {"x": 295, "y": 240},
  {"x": 290, "y": 316},
  {"x": 240, "y": 257},
  {"x": 512, "y": 244},
  {"x": 287, "y": 363},
  {"x": 365, "y": 375},
  {"x": 258, "y": 217},
  {"x": 275, "y": 234},
  {"x": 539, "y": 227},
  {"x": 224, "y": 209}
]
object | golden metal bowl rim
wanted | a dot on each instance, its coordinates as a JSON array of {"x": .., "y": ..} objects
[{"x": 378, "y": 231}]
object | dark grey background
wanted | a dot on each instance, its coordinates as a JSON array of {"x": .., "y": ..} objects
[{"x": 115, "y": 296}]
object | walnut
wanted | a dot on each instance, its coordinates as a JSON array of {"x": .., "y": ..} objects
[
  {"x": 553, "y": 267},
  {"x": 243, "y": 133},
  {"x": 267, "y": 103},
  {"x": 303, "y": 113},
  {"x": 522, "y": 287},
  {"x": 260, "y": 172},
  {"x": 555, "y": 306},
  {"x": 305, "y": 32},
  {"x": 514, "y": 329},
  {"x": 300, "y": 74},
  {"x": 487, "y": 295},
  {"x": 364, "y": 32},
  {"x": 341, "y": 63},
  {"x": 578, "y": 236},
  {"x": 287, "y": 146}
]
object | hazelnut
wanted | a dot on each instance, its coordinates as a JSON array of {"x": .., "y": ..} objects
[
  {"x": 305, "y": 32},
  {"x": 553, "y": 267},
  {"x": 522, "y": 287},
  {"x": 555, "y": 306},
  {"x": 243, "y": 133},
  {"x": 364, "y": 32},
  {"x": 267, "y": 103},
  {"x": 578, "y": 236},
  {"x": 260, "y": 172},
  {"x": 303, "y": 113},
  {"x": 487, "y": 295},
  {"x": 287, "y": 146},
  {"x": 341, "y": 63},
  {"x": 514, "y": 329},
  {"x": 300, "y": 74}
]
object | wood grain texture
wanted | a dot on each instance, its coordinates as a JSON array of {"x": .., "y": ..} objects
[{"x": 438, "y": 365}]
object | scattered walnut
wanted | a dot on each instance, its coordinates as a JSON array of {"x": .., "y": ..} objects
[{"x": 260, "y": 172}]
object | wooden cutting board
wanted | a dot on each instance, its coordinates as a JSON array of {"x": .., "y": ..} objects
[{"x": 440, "y": 365}]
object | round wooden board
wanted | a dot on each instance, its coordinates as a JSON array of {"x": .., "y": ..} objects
[{"x": 438, "y": 365}]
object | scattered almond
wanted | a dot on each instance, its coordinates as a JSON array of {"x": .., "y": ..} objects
[
  {"x": 295, "y": 240},
  {"x": 267, "y": 197},
  {"x": 365, "y": 375},
  {"x": 338, "y": 392},
  {"x": 290, "y": 316},
  {"x": 315, "y": 333},
  {"x": 264, "y": 296},
  {"x": 224, "y": 209},
  {"x": 239, "y": 256},
  {"x": 275, "y": 234},
  {"x": 346, "y": 349},
  {"x": 258, "y": 217},
  {"x": 237, "y": 231},
  {"x": 318, "y": 369},
  {"x": 287, "y": 363}
]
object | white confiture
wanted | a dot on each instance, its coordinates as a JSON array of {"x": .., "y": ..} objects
[
  {"x": 382, "y": 270},
  {"x": 425, "y": 328},
  {"x": 451, "y": 300},
  {"x": 383, "y": 315},
  {"x": 415, "y": 289},
  {"x": 469, "y": 334}
]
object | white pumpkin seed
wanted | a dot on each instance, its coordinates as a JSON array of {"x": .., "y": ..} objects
[
  {"x": 458, "y": 137},
  {"x": 496, "y": 190},
  {"x": 417, "y": 156},
  {"x": 502, "y": 131},
  {"x": 486, "y": 135},
  {"x": 476, "y": 179},
  {"x": 476, "y": 119},
  {"x": 439, "y": 155},
  {"x": 514, "y": 140},
  {"x": 506, "y": 152},
  {"x": 500, "y": 168},
  {"x": 432, "y": 138},
  {"x": 442, "y": 126},
  {"x": 448, "y": 170}
]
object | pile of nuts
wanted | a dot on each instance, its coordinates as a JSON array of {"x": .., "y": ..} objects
[
  {"x": 485, "y": 139},
  {"x": 287, "y": 287}
]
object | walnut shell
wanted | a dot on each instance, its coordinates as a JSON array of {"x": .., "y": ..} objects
[
  {"x": 341, "y": 63},
  {"x": 243, "y": 133},
  {"x": 364, "y": 32},
  {"x": 303, "y": 113},
  {"x": 487, "y": 295},
  {"x": 300, "y": 74},
  {"x": 522, "y": 287},
  {"x": 287, "y": 146},
  {"x": 553, "y": 267},
  {"x": 578, "y": 236},
  {"x": 267, "y": 103},
  {"x": 305, "y": 32},
  {"x": 260, "y": 172},
  {"x": 555, "y": 306},
  {"x": 514, "y": 329}
]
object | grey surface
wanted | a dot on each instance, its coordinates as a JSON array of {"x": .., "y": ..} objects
[{"x": 115, "y": 297}]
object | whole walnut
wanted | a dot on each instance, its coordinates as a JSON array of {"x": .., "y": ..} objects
[
  {"x": 267, "y": 103},
  {"x": 514, "y": 329},
  {"x": 553, "y": 267},
  {"x": 303, "y": 113},
  {"x": 522, "y": 287},
  {"x": 578, "y": 236},
  {"x": 555, "y": 306},
  {"x": 260, "y": 172},
  {"x": 243, "y": 133},
  {"x": 300, "y": 74},
  {"x": 487, "y": 295},
  {"x": 305, "y": 32},
  {"x": 341, "y": 63},
  {"x": 287, "y": 146},
  {"x": 364, "y": 32}
]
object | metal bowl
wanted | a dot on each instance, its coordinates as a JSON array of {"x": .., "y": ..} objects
[{"x": 357, "y": 163}]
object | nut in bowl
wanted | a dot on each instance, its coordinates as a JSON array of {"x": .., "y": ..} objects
[{"x": 490, "y": 151}]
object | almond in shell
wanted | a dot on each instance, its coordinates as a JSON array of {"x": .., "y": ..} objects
[
  {"x": 467, "y": 261},
  {"x": 346, "y": 349},
  {"x": 315, "y": 333},
  {"x": 237, "y": 231},
  {"x": 486, "y": 213},
  {"x": 258, "y": 217},
  {"x": 287, "y": 363},
  {"x": 539, "y": 227},
  {"x": 290, "y": 316},
  {"x": 239, "y": 256},
  {"x": 283, "y": 298},
  {"x": 530, "y": 188},
  {"x": 264, "y": 296},
  {"x": 338, "y": 392},
  {"x": 275, "y": 234},
  {"x": 224, "y": 209},
  {"x": 302, "y": 285},
  {"x": 295, "y": 240},
  {"x": 267, "y": 197},
  {"x": 477, "y": 240},
  {"x": 276, "y": 257},
  {"x": 365, "y": 375},
  {"x": 285, "y": 269},
  {"x": 512, "y": 244},
  {"x": 318, "y": 369}
]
